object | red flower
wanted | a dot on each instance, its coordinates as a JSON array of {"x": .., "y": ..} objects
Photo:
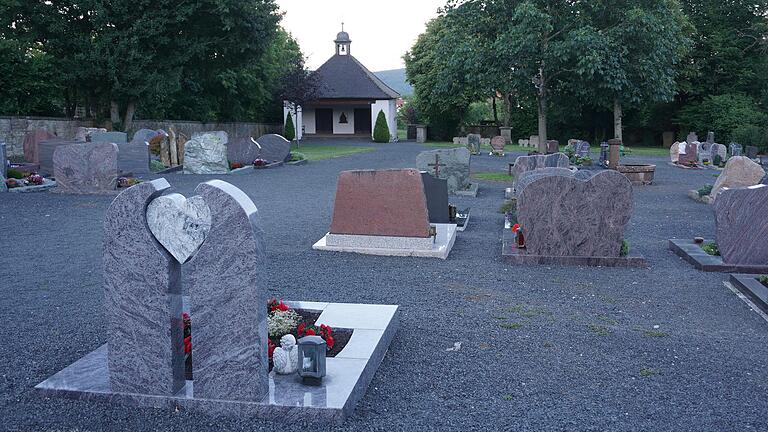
[
  {"x": 282, "y": 307},
  {"x": 270, "y": 347},
  {"x": 329, "y": 341},
  {"x": 300, "y": 329},
  {"x": 311, "y": 332},
  {"x": 187, "y": 344},
  {"x": 515, "y": 228}
]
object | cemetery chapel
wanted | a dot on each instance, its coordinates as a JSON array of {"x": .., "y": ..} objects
[{"x": 349, "y": 98}]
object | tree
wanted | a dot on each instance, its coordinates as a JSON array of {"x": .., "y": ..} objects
[
  {"x": 381, "y": 129},
  {"x": 298, "y": 86},
  {"x": 290, "y": 129}
]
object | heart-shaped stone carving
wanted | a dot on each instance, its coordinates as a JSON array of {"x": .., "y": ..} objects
[
  {"x": 565, "y": 216},
  {"x": 179, "y": 224}
]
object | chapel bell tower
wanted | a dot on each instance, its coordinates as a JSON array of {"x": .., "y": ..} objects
[{"x": 342, "y": 42}]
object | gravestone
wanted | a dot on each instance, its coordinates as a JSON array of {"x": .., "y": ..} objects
[
  {"x": 529, "y": 177},
  {"x": 45, "y": 153},
  {"x": 604, "y": 152},
  {"x": 751, "y": 152},
  {"x": 506, "y": 133},
  {"x": 553, "y": 146},
  {"x": 206, "y": 153},
  {"x": 132, "y": 157},
  {"x": 689, "y": 153},
  {"x": 274, "y": 148},
  {"x": 395, "y": 204},
  {"x": 146, "y": 135},
  {"x": 110, "y": 137},
  {"x": 243, "y": 150},
  {"x": 674, "y": 152},
  {"x": 497, "y": 145},
  {"x": 32, "y": 141},
  {"x": 530, "y": 163},
  {"x": 143, "y": 305},
  {"x": 710, "y": 137},
  {"x": 533, "y": 141},
  {"x": 704, "y": 152},
  {"x": 421, "y": 134},
  {"x": 739, "y": 172},
  {"x": 581, "y": 148},
  {"x": 84, "y": 134},
  {"x": 228, "y": 292},
  {"x": 692, "y": 138},
  {"x": 741, "y": 219},
  {"x": 85, "y": 168},
  {"x": 523, "y": 142},
  {"x": 473, "y": 143},
  {"x": 601, "y": 205},
  {"x": 735, "y": 149},
  {"x": 448, "y": 164},
  {"x": 436, "y": 191},
  {"x": 719, "y": 150}
]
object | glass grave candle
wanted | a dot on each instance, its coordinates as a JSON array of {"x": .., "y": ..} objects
[{"x": 312, "y": 350}]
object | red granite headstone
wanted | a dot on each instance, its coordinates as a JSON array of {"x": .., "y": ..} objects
[
  {"x": 31, "y": 144},
  {"x": 381, "y": 203}
]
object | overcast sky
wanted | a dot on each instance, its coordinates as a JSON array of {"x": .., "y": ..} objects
[{"x": 381, "y": 31}]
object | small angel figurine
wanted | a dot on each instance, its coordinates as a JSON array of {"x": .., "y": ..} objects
[{"x": 285, "y": 358}]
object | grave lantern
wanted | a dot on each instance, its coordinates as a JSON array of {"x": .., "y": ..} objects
[{"x": 312, "y": 351}]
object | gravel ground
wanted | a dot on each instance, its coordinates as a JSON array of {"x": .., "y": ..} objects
[{"x": 544, "y": 348}]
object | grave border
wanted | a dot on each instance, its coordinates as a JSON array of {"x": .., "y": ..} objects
[{"x": 695, "y": 255}]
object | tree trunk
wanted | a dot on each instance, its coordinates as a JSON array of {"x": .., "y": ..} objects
[
  {"x": 130, "y": 110},
  {"x": 542, "y": 100},
  {"x": 617, "y": 114},
  {"x": 114, "y": 113},
  {"x": 495, "y": 112}
]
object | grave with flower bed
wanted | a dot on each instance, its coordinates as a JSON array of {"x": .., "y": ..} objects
[{"x": 207, "y": 347}]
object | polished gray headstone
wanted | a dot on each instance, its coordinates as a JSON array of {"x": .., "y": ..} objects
[
  {"x": 741, "y": 220},
  {"x": 563, "y": 216},
  {"x": 143, "y": 303},
  {"x": 274, "y": 148},
  {"x": 243, "y": 150},
  {"x": 228, "y": 293},
  {"x": 436, "y": 191},
  {"x": 110, "y": 137},
  {"x": 45, "y": 150}
]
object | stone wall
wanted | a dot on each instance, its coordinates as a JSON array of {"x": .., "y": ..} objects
[{"x": 13, "y": 129}]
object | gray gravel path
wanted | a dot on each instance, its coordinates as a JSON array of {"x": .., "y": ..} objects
[{"x": 544, "y": 348}]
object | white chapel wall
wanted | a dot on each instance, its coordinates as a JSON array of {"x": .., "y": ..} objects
[{"x": 390, "y": 112}]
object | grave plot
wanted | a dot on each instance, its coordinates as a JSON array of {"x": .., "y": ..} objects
[
  {"x": 739, "y": 172},
  {"x": 451, "y": 165},
  {"x": 441, "y": 211},
  {"x": 209, "y": 351},
  {"x": 741, "y": 245},
  {"x": 565, "y": 220},
  {"x": 754, "y": 288},
  {"x": 385, "y": 213}
]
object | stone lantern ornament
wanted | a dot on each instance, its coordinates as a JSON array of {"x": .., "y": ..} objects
[{"x": 312, "y": 350}]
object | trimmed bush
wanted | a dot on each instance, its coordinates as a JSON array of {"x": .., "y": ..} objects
[
  {"x": 381, "y": 130},
  {"x": 290, "y": 129}
]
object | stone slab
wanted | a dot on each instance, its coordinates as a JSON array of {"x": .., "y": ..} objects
[
  {"x": 530, "y": 163},
  {"x": 133, "y": 159},
  {"x": 45, "y": 153},
  {"x": 32, "y": 140},
  {"x": 348, "y": 375},
  {"x": 753, "y": 289},
  {"x": 206, "y": 153},
  {"x": 512, "y": 255},
  {"x": 274, "y": 148},
  {"x": 695, "y": 255},
  {"x": 381, "y": 203},
  {"x": 741, "y": 222},
  {"x": 443, "y": 243},
  {"x": 436, "y": 191},
  {"x": 563, "y": 216},
  {"x": 110, "y": 137},
  {"x": 86, "y": 168},
  {"x": 448, "y": 164},
  {"x": 228, "y": 292},
  {"x": 48, "y": 184}
]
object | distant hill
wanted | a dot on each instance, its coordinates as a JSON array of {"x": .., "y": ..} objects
[{"x": 396, "y": 79}]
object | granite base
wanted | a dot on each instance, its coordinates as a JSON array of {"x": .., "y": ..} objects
[
  {"x": 440, "y": 246},
  {"x": 47, "y": 185},
  {"x": 471, "y": 192},
  {"x": 753, "y": 289},
  {"x": 695, "y": 255},
  {"x": 288, "y": 400},
  {"x": 513, "y": 255}
]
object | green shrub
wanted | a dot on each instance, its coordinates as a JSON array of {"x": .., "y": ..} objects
[
  {"x": 156, "y": 165},
  {"x": 763, "y": 280},
  {"x": 751, "y": 135},
  {"x": 290, "y": 129},
  {"x": 711, "y": 249},
  {"x": 706, "y": 190},
  {"x": 731, "y": 116},
  {"x": 381, "y": 130},
  {"x": 508, "y": 206},
  {"x": 296, "y": 156},
  {"x": 15, "y": 174},
  {"x": 624, "y": 248}
]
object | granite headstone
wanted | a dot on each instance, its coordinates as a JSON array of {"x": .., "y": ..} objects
[
  {"x": 497, "y": 145},
  {"x": 85, "y": 168},
  {"x": 32, "y": 141},
  {"x": 46, "y": 150},
  {"x": 448, "y": 164},
  {"x": 381, "y": 203},
  {"x": 741, "y": 219},
  {"x": 735, "y": 149},
  {"x": 739, "y": 172},
  {"x": 243, "y": 150},
  {"x": 228, "y": 292},
  {"x": 473, "y": 143},
  {"x": 274, "y": 148},
  {"x": 436, "y": 191},
  {"x": 602, "y": 205},
  {"x": 530, "y": 163},
  {"x": 143, "y": 304},
  {"x": 206, "y": 153},
  {"x": 553, "y": 146}
]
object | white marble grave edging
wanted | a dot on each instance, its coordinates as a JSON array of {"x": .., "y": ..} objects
[
  {"x": 288, "y": 400},
  {"x": 391, "y": 246}
]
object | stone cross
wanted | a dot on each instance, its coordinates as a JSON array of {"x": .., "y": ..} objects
[{"x": 436, "y": 165}]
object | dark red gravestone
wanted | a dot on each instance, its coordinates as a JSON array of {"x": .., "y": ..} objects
[
  {"x": 691, "y": 155},
  {"x": 381, "y": 203},
  {"x": 31, "y": 144}
]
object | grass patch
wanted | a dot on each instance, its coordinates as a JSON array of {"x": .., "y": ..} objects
[
  {"x": 763, "y": 280},
  {"x": 319, "y": 152},
  {"x": 706, "y": 190},
  {"x": 654, "y": 333},
  {"x": 711, "y": 249},
  {"x": 511, "y": 326},
  {"x": 493, "y": 176},
  {"x": 648, "y": 372},
  {"x": 599, "y": 330},
  {"x": 608, "y": 320},
  {"x": 624, "y": 248},
  {"x": 508, "y": 397}
]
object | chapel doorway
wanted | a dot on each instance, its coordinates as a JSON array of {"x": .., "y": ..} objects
[
  {"x": 362, "y": 121},
  {"x": 324, "y": 121}
]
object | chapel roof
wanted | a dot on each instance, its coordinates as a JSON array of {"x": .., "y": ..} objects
[{"x": 344, "y": 77}]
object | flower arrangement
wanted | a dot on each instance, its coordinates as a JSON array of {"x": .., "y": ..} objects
[
  {"x": 282, "y": 322},
  {"x": 187, "y": 333},
  {"x": 35, "y": 179},
  {"x": 260, "y": 163},
  {"x": 126, "y": 182},
  {"x": 516, "y": 228},
  {"x": 236, "y": 165},
  {"x": 323, "y": 331}
]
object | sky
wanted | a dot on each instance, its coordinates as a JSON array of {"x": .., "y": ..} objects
[{"x": 381, "y": 30}]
